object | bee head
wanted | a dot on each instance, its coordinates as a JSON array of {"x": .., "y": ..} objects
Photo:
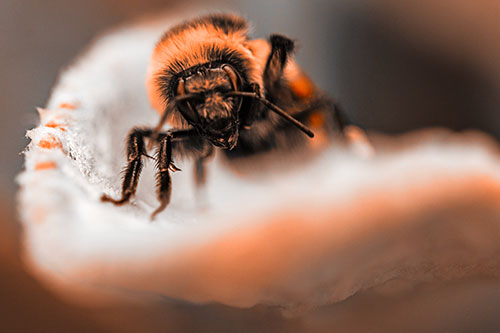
[{"x": 202, "y": 100}]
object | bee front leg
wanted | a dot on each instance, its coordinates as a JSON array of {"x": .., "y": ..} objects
[
  {"x": 200, "y": 174},
  {"x": 340, "y": 118},
  {"x": 355, "y": 136},
  {"x": 165, "y": 164},
  {"x": 135, "y": 151},
  {"x": 163, "y": 179}
]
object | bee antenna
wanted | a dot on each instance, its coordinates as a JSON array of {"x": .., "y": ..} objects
[
  {"x": 187, "y": 97},
  {"x": 274, "y": 108}
]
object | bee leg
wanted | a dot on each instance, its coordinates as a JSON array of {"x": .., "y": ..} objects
[
  {"x": 165, "y": 164},
  {"x": 135, "y": 151},
  {"x": 199, "y": 168},
  {"x": 163, "y": 179},
  {"x": 354, "y": 135},
  {"x": 281, "y": 48},
  {"x": 340, "y": 118},
  {"x": 199, "y": 173}
]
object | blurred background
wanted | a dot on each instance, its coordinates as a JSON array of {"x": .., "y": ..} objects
[{"x": 394, "y": 65}]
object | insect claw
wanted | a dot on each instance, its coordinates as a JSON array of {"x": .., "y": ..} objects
[{"x": 173, "y": 168}]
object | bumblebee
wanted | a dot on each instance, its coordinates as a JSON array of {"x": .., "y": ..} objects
[{"x": 220, "y": 90}]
